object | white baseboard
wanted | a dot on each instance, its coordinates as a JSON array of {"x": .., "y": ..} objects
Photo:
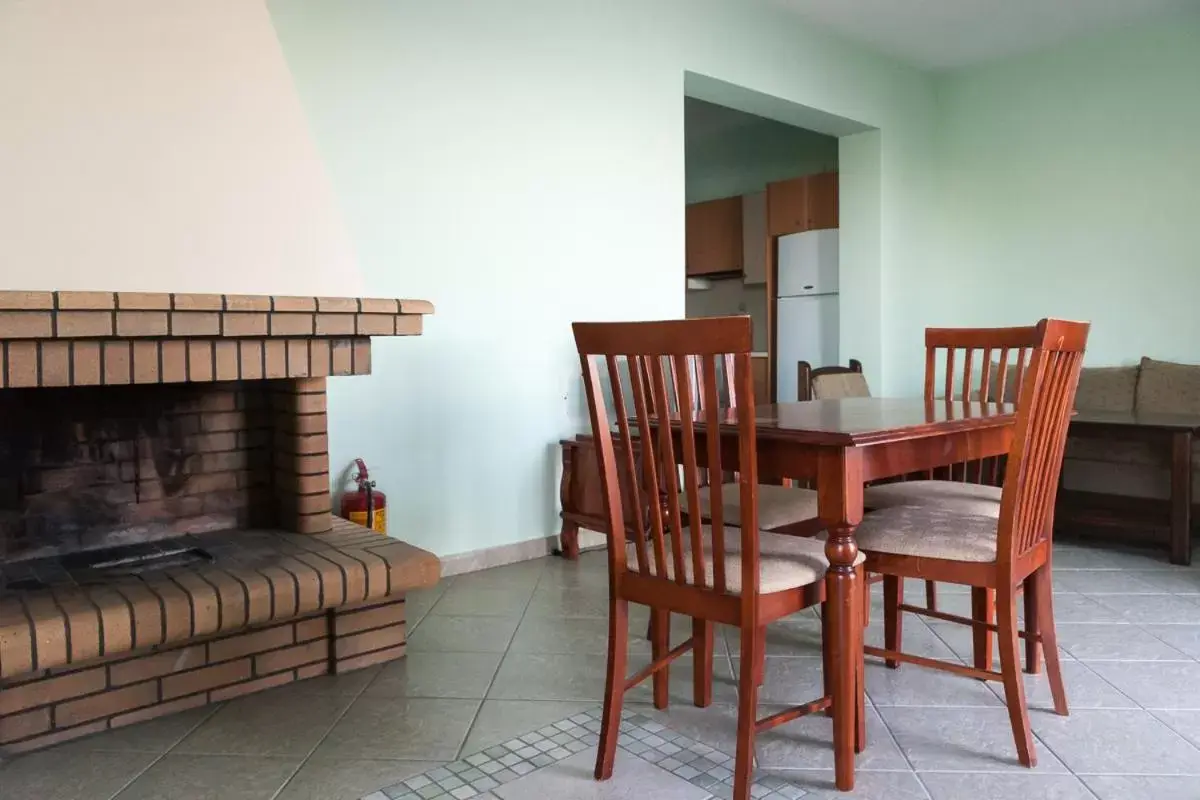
[{"x": 475, "y": 560}]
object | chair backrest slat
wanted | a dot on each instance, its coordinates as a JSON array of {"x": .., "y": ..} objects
[
  {"x": 667, "y": 462},
  {"x": 629, "y": 468},
  {"x": 1047, "y": 397},
  {"x": 942, "y": 346},
  {"x": 694, "y": 352}
]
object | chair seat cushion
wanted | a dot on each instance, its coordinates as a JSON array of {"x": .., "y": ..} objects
[
  {"x": 929, "y": 532},
  {"x": 784, "y": 562},
  {"x": 777, "y": 505},
  {"x": 965, "y": 498}
]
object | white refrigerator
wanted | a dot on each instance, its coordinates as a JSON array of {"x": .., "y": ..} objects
[{"x": 806, "y": 322}]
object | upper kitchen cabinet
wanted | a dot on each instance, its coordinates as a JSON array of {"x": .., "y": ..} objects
[
  {"x": 754, "y": 237},
  {"x": 802, "y": 204},
  {"x": 714, "y": 236}
]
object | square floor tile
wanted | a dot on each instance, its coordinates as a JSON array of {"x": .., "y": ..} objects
[
  {"x": 1154, "y": 684},
  {"x": 1108, "y": 642},
  {"x": 584, "y": 635},
  {"x": 1085, "y": 689},
  {"x": 1185, "y": 723},
  {"x": 501, "y": 720},
  {"x": 787, "y": 680},
  {"x": 156, "y": 736},
  {"x": 461, "y": 675},
  {"x": 573, "y": 778},
  {"x": 348, "y": 684},
  {"x": 556, "y": 600},
  {"x": 266, "y": 724},
  {"x": 1129, "y": 787},
  {"x": 348, "y": 778},
  {"x": 1148, "y": 609},
  {"x": 961, "y": 739},
  {"x": 819, "y": 785},
  {"x": 680, "y": 681},
  {"x": 542, "y": 676},
  {"x": 1184, "y": 638},
  {"x": 188, "y": 777},
  {"x": 1109, "y": 581},
  {"x": 912, "y": 685},
  {"x": 482, "y": 601},
  {"x": 400, "y": 728},
  {"x": 1101, "y": 741},
  {"x": 61, "y": 774},
  {"x": 800, "y": 636},
  {"x": 448, "y": 634},
  {"x": 1004, "y": 786}
]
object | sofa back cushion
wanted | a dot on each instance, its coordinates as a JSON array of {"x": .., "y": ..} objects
[
  {"x": 1107, "y": 388},
  {"x": 1168, "y": 388}
]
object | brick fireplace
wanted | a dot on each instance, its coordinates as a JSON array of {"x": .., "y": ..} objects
[{"x": 166, "y": 537}]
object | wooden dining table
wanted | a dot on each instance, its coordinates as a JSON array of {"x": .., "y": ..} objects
[{"x": 839, "y": 445}]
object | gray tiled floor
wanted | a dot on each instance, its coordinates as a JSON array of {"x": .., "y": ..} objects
[{"x": 500, "y": 654}]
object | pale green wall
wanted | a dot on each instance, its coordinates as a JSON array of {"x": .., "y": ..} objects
[
  {"x": 744, "y": 160},
  {"x": 1071, "y": 187},
  {"x": 521, "y": 164}
]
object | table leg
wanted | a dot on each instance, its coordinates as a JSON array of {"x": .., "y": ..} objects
[
  {"x": 1181, "y": 498},
  {"x": 839, "y": 491}
]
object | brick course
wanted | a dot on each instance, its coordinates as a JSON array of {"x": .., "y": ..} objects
[{"x": 53, "y": 708}]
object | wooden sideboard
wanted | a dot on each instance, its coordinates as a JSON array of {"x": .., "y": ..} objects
[{"x": 581, "y": 495}]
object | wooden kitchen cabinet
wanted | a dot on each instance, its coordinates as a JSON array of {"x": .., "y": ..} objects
[
  {"x": 714, "y": 236},
  {"x": 754, "y": 238},
  {"x": 807, "y": 203}
]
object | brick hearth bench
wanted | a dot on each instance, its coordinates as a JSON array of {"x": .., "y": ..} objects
[{"x": 272, "y": 608}]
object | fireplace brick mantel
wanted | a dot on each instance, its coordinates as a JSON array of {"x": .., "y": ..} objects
[
  {"x": 210, "y": 448},
  {"x": 57, "y": 339}
]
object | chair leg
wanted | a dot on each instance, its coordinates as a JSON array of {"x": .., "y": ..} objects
[
  {"x": 748, "y": 672},
  {"x": 893, "y": 620},
  {"x": 866, "y": 601},
  {"x": 931, "y": 595},
  {"x": 827, "y": 666},
  {"x": 1050, "y": 639},
  {"x": 983, "y": 607},
  {"x": 1010, "y": 669},
  {"x": 614, "y": 687},
  {"x": 702, "y": 662},
  {"x": 1032, "y": 646},
  {"x": 660, "y": 645}
]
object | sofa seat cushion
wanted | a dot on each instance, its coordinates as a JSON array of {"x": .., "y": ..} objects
[
  {"x": 966, "y": 498},
  {"x": 929, "y": 532},
  {"x": 777, "y": 505},
  {"x": 1168, "y": 388},
  {"x": 784, "y": 562}
]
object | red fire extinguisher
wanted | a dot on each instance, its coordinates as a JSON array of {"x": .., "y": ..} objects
[{"x": 367, "y": 506}]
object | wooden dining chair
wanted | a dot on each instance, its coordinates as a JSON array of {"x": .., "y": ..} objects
[
  {"x": 828, "y": 383},
  {"x": 781, "y": 508},
  {"x": 1004, "y": 553},
  {"x": 716, "y": 573},
  {"x": 960, "y": 364}
]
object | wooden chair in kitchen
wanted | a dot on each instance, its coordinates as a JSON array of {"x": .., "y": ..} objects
[
  {"x": 1002, "y": 553},
  {"x": 716, "y": 573},
  {"x": 967, "y": 371},
  {"x": 827, "y": 383}
]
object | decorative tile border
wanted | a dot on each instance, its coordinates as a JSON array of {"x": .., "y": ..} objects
[{"x": 476, "y": 776}]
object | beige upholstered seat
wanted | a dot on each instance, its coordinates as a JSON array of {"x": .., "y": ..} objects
[
  {"x": 777, "y": 505},
  {"x": 929, "y": 532},
  {"x": 785, "y": 562},
  {"x": 840, "y": 384},
  {"x": 964, "y": 498}
]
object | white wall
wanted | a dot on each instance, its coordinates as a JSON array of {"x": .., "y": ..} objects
[
  {"x": 159, "y": 145},
  {"x": 521, "y": 165}
]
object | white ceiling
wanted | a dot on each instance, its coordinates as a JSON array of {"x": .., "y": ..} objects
[{"x": 941, "y": 34}]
